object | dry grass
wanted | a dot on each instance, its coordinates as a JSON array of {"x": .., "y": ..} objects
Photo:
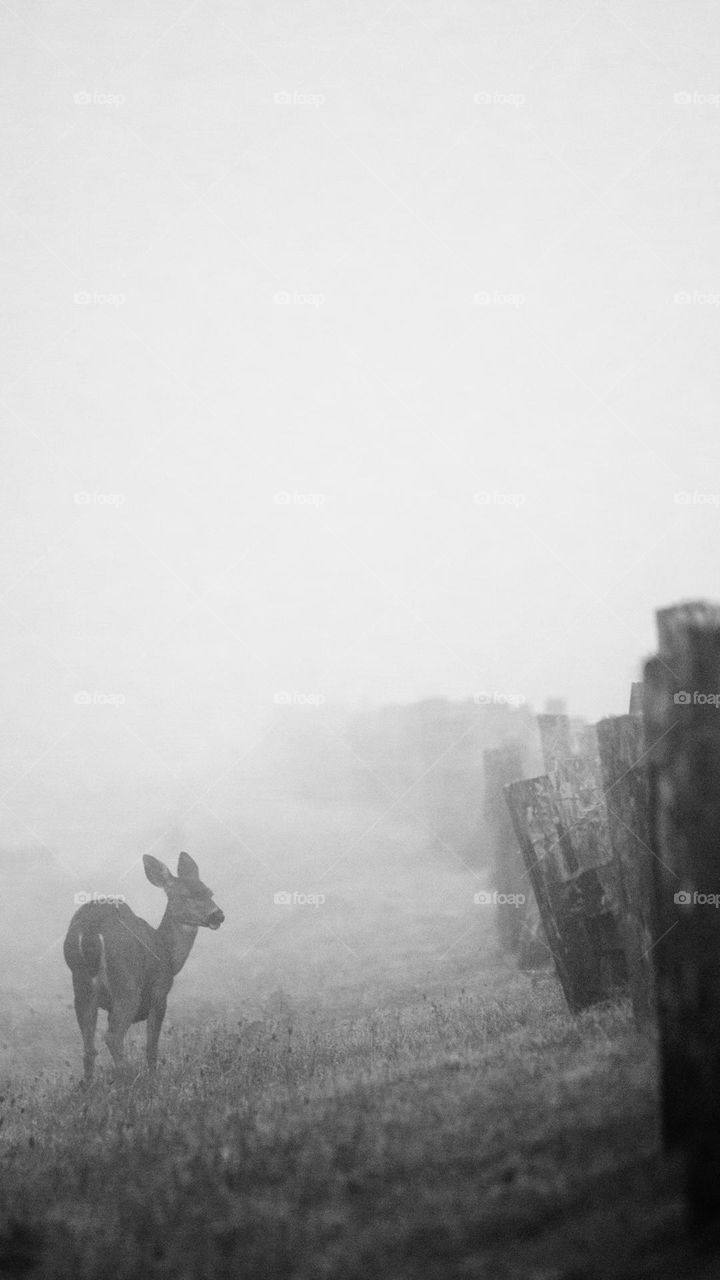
[
  {"x": 480, "y": 1132},
  {"x": 419, "y": 1109}
]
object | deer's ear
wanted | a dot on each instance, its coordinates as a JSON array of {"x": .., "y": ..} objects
[
  {"x": 188, "y": 867},
  {"x": 156, "y": 871}
]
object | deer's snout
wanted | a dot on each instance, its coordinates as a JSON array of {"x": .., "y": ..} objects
[{"x": 215, "y": 919}]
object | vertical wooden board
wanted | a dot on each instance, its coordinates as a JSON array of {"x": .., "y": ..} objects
[
  {"x": 559, "y": 887},
  {"x": 597, "y": 894},
  {"x": 636, "y": 698},
  {"x": 530, "y": 803},
  {"x": 682, "y": 719},
  {"x": 583, "y": 808},
  {"x": 533, "y": 950},
  {"x": 622, "y": 755},
  {"x": 591, "y": 867},
  {"x": 590, "y": 890},
  {"x": 520, "y": 928},
  {"x": 675, "y": 622},
  {"x": 501, "y": 766},
  {"x": 673, "y": 949},
  {"x": 556, "y": 742},
  {"x": 589, "y": 750}
]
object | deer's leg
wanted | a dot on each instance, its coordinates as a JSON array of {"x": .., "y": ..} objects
[
  {"x": 154, "y": 1023},
  {"x": 120, "y": 1019},
  {"x": 86, "y": 1012}
]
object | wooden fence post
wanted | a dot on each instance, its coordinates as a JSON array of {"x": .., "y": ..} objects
[
  {"x": 682, "y": 719},
  {"x": 590, "y": 750},
  {"x": 534, "y": 952},
  {"x": 625, "y": 784},
  {"x": 636, "y": 698},
  {"x": 575, "y": 893},
  {"x": 503, "y": 765},
  {"x": 556, "y": 743},
  {"x": 533, "y": 805}
]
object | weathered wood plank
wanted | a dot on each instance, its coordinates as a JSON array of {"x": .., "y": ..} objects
[
  {"x": 501, "y": 766},
  {"x": 682, "y": 720},
  {"x": 556, "y": 743},
  {"x": 636, "y": 698},
  {"x": 575, "y": 900},
  {"x": 533, "y": 952},
  {"x": 625, "y": 783},
  {"x": 588, "y": 748},
  {"x": 583, "y": 808}
]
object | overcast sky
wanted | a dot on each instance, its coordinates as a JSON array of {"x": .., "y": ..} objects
[{"x": 359, "y": 349}]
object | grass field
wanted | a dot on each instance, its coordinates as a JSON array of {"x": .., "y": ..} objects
[
  {"x": 480, "y": 1131},
  {"x": 373, "y": 1092}
]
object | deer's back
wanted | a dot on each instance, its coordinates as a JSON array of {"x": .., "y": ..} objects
[{"x": 131, "y": 955}]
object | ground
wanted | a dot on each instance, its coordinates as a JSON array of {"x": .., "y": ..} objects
[
  {"x": 367, "y": 1089},
  {"x": 480, "y": 1131}
]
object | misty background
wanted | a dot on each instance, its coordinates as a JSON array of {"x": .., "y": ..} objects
[{"x": 357, "y": 359}]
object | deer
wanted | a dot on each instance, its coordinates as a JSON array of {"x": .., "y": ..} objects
[{"x": 119, "y": 963}]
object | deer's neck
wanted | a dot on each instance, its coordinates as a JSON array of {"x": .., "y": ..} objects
[{"x": 178, "y": 939}]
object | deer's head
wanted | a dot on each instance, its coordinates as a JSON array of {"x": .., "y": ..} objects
[{"x": 191, "y": 902}]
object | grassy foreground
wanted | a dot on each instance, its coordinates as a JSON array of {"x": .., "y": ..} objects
[{"x": 480, "y": 1131}]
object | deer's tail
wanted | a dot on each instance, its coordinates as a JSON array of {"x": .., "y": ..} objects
[
  {"x": 90, "y": 946},
  {"x": 84, "y": 945}
]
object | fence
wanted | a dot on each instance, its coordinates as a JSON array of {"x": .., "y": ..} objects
[{"x": 619, "y": 840}]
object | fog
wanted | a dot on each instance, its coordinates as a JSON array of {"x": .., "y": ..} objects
[{"x": 354, "y": 356}]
